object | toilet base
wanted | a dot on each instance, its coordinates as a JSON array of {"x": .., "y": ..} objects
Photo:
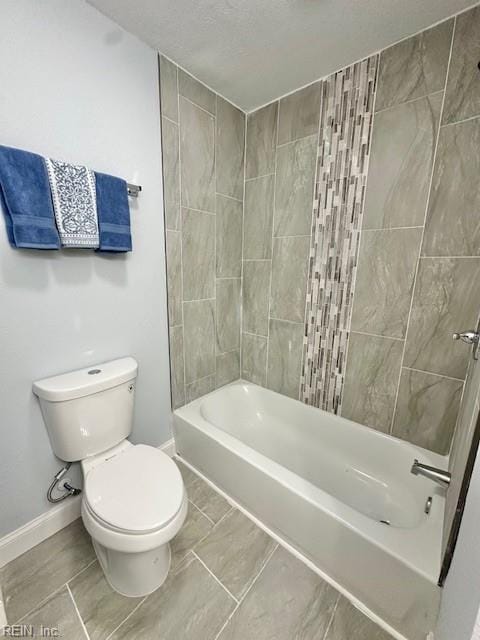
[{"x": 134, "y": 574}]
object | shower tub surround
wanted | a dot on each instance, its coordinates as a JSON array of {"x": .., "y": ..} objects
[{"x": 339, "y": 493}]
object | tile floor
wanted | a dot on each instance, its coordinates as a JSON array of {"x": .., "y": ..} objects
[{"x": 229, "y": 580}]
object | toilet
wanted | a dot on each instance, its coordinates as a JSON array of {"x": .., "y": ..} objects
[{"x": 134, "y": 500}]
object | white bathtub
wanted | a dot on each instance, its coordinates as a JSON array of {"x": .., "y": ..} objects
[{"x": 324, "y": 484}]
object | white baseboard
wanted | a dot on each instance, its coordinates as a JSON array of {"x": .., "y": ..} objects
[{"x": 24, "y": 538}]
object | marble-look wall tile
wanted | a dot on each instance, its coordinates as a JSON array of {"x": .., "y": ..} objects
[
  {"x": 171, "y": 174},
  {"x": 285, "y": 357},
  {"x": 349, "y": 623},
  {"x": 257, "y": 234},
  {"x": 452, "y": 227},
  {"x": 230, "y": 146},
  {"x": 228, "y": 368},
  {"x": 199, "y": 339},
  {"x": 401, "y": 159},
  {"x": 174, "y": 276},
  {"x": 427, "y": 409},
  {"x": 254, "y": 358},
  {"x": 384, "y": 284},
  {"x": 168, "y": 89},
  {"x": 190, "y": 88},
  {"x": 229, "y": 237},
  {"x": 299, "y": 114},
  {"x": 294, "y": 187},
  {"x": 256, "y": 291},
  {"x": 462, "y": 96},
  {"x": 446, "y": 300},
  {"x": 261, "y": 140},
  {"x": 414, "y": 67},
  {"x": 373, "y": 368},
  {"x": 198, "y": 255},
  {"x": 197, "y": 150},
  {"x": 289, "y": 278},
  {"x": 199, "y": 388},
  {"x": 177, "y": 366},
  {"x": 228, "y": 314}
]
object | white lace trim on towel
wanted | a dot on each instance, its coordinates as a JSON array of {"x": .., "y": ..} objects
[{"x": 75, "y": 203}]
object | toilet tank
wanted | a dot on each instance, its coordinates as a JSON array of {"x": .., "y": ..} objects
[{"x": 89, "y": 410}]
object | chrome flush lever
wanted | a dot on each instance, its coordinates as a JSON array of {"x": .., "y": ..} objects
[{"x": 469, "y": 337}]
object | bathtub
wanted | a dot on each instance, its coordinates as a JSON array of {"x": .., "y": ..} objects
[{"x": 339, "y": 493}]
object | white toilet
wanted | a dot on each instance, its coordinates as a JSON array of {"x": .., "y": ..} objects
[{"x": 134, "y": 501}]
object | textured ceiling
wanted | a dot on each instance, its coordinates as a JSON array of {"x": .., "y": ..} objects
[{"x": 252, "y": 51}]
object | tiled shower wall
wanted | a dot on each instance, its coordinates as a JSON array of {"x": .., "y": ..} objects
[
  {"x": 416, "y": 278},
  {"x": 203, "y": 143}
]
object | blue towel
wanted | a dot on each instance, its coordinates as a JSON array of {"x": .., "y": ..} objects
[
  {"x": 26, "y": 200},
  {"x": 113, "y": 213}
]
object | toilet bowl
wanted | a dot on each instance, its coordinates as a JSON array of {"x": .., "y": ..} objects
[{"x": 134, "y": 500}]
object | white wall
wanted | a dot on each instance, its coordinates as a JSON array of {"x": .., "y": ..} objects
[{"x": 75, "y": 86}]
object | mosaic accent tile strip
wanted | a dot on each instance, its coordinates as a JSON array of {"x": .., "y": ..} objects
[{"x": 342, "y": 163}]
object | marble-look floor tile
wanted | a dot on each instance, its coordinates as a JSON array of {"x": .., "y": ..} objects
[
  {"x": 445, "y": 300},
  {"x": 351, "y": 624},
  {"x": 256, "y": 291},
  {"x": 198, "y": 255},
  {"x": 168, "y": 89},
  {"x": 174, "y": 276},
  {"x": 57, "y": 612},
  {"x": 257, "y": 235},
  {"x": 197, "y": 152},
  {"x": 31, "y": 577},
  {"x": 285, "y": 357},
  {"x": 289, "y": 278},
  {"x": 228, "y": 368},
  {"x": 228, "y": 314},
  {"x": 171, "y": 172},
  {"x": 195, "y": 528},
  {"x": 199, "y": 388},
  {"x": 191, "y": 88},
  {"x": 230, "y": 148},
  {"x": 102, "y": 609},
  {"x": 299, "y": 113},
  {"x": 191, "y": 605},
  {"x": 294, "y": 187},
  {"x": 384, "y": 283},
  {"x": 371, "y": 379},
  {"x": 229, "y": 237},
  {"x": 235, "y": 551},
  {"x": 261, "y": 140},
  {"x": 414, "y": 67},
  {"x": 199, "y": 339},
  {"x": 401, "y": 161},
  {"x": 462, "y": 96},
  {"x": 427, "y": 409},
  {"x": 202, "y": 495},
  {"x": 254, "y": 358},
  {"x": 453, "y": 223},
  {"x": 287, "y": 601},
  {"x": 177, "y": 367}
]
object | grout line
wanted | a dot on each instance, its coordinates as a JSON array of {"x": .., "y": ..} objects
[
  {"x": 216, "y": 320},
  {"x": 257, "y": 260},
  {"x": 330, "y": 622},
  {"x": 243, "y": 239},
  {"x": 228, "y": 277},
  {"x": 224, "y": 195},
  {"x": 208, "y": 213},
  {"x": 167, "y": 118},
  {"x": 212, "y": 115},
  {"x": 203, "y": 514},
  {"x": 449, "y": 257},
  {"x": 289, "y": 321},
  {"x": 265, "y": 175},
  {"x": 411, "y": 100},
  {"x": 256, "y": 335},
  {"x": 129, "y": 616},
  {"x": 199, "y": 300},
  {"x": 303, "y": 235},
  {"x": 78, "y": 613},
  {"x": 284, "y": 144},
  {"x": 239, "y": 602},
  {"x": 267, "y": 355},
  {"x": 431, "y": 373},
  {"x": 427, "y": 203},
  {"x": 214, "y": 576},
  {"x": 376, "y": 335},
  {"x": 363, "y": 230},
  {"x": 451, "y": 124}
]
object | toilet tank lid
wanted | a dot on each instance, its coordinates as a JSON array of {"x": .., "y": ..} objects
[{"x": 83, "y": 382}]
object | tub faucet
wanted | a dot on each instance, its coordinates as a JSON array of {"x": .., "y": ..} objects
[{"x": 432, "y": 473}]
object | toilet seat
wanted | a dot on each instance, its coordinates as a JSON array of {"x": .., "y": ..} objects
[{"x": 138, "y": 491}]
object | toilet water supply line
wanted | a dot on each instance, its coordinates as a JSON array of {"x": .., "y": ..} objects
[{"x": 69, "y": 490}]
